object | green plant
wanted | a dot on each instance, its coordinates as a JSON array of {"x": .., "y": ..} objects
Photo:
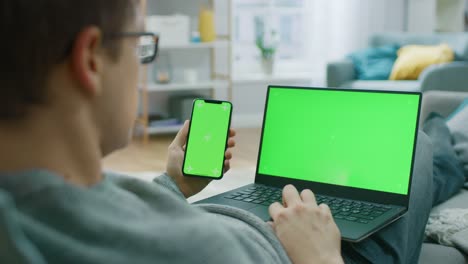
[
  {"x": 268, "y": 51},
  {"x": 266, "y": 39}
]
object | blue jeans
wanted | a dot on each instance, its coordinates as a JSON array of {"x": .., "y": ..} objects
[
  {"x": 448, "y": 173},
  {"x": 437, "y": 175}
]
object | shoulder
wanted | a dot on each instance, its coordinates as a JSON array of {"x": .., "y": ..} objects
[{"x": 16, "y": 247}]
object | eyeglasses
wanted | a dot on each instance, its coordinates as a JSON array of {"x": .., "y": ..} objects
[
  {"x": 147, "y": 49},
  {"x": 148, "y": 43}
]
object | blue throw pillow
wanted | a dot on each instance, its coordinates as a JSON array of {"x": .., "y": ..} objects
[{"x": 374, "y": 63}]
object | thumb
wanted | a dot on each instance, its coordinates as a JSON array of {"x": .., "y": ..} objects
[{"x": 181, "y": 137}]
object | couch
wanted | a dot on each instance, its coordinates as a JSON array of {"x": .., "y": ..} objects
[
  {"x": 444, "y": 103},
  {"x": 448, "y": 77}
]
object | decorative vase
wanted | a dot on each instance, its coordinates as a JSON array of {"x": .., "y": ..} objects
[
  {"x": 206, "y": 25},
  {"x": 268, "y": 65}
]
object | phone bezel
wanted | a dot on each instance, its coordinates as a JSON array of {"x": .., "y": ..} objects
[{"x": 210, "y": 101}]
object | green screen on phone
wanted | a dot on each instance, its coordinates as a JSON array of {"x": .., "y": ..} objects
[
  {"x": 355, "y": 139},
  {"x": 207, "y": 138}
]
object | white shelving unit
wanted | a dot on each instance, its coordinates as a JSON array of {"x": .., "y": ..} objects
[
  {"x": 152, "y": 87},
  {"x": 279, "y": 77},
  {"x": 164, "y": 129},
  {"x": 209, "y": 84},
  {"x": 201, "y": 45}
]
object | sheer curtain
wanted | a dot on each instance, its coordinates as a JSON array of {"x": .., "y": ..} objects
[
  {"x": 338, "y": 27},
  {"x": 323, "y": 30},
  {"x": 450, "y": 15}
]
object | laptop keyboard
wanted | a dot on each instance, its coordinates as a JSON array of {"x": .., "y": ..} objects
[{"x": 349, "y": 210}]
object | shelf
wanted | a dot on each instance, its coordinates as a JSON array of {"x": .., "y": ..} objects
[
  {"x": 158, "y": 130},
  {"x": 164, "y": 129},
  {"x": 260, "y": 77},
  {"x": 153, "y": 87},
  {"x": 182, "y": 56},
  {"x": 201, "y": 45}
]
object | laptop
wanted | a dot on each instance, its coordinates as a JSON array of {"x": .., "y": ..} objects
[{"x": 353, "y": 148}]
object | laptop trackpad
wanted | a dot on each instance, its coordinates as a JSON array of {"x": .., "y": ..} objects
[{"x": 261, "y": 211}]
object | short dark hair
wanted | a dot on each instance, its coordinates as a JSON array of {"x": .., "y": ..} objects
[{"x": 39, "y": 34}]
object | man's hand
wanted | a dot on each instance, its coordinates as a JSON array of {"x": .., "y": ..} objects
[
  {"x": 189, "y": 185},
  {"x": 307, "y": 231}
]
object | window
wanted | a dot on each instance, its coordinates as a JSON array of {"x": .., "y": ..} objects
[{"x": 287, "y": 18}]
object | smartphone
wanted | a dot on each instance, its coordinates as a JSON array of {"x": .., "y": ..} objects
[{"x": 207, "y": 139}]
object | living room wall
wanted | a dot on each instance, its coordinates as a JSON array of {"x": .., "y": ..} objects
[
  {"x": 335, "y": 28},
  {"x": 426, "y": 16}
]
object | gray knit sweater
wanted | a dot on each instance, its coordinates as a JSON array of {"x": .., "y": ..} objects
[{"x": 43, "y": 219}]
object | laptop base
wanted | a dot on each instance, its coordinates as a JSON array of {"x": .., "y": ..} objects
[{"x": 351, "y": 228}]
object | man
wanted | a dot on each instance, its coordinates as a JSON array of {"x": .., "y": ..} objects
[{"x": 69, "y": 73}]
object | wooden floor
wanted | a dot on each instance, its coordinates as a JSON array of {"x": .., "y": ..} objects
[{"x": 152, "y": 157}]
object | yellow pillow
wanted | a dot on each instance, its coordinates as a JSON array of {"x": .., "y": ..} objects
[{"x": 413, "y": 59}]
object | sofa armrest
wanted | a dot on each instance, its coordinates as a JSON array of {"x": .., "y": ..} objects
[
  {"x": 340, "y": 72},
  {"x": 445, "y": 77},
  {"x": 442, "y": 102}
]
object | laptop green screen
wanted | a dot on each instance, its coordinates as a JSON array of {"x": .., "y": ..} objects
[{"x": 348, "y": 138}]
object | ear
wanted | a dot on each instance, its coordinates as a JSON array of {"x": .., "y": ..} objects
[{"x": 87, "y": 60}]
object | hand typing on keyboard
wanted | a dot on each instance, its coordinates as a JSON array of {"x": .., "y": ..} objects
[
  {"x": 344, "y": 209},
  {"x": 306, "y": 230}
]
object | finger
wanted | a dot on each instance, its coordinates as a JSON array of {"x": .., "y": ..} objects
[
  {"x": 231, "y": 143},
  {"x": 181, "y": 137},
  {"x": 290, "y": 196},
  {"x": 308, "y": 197},
  {"x": 325, "y": 208},
  {"x": 274, "y": 210},
  {"x": 227, "y": 166},
  {"x": 232, "y": 133},
  {"x": 228, "y": 155}
]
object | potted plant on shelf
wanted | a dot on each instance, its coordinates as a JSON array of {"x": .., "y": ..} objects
[{"x": 267, "y": 43}]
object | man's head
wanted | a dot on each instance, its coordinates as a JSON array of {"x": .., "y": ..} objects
[{"x": 66, "y": 56}]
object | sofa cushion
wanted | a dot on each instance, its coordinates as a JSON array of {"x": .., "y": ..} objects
[
  {"x": 460, "y": 200},
  {"x": 411, "y": 86},
  {"x": 435, "y": 253},
  {"x": 374, "y": 63}
]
